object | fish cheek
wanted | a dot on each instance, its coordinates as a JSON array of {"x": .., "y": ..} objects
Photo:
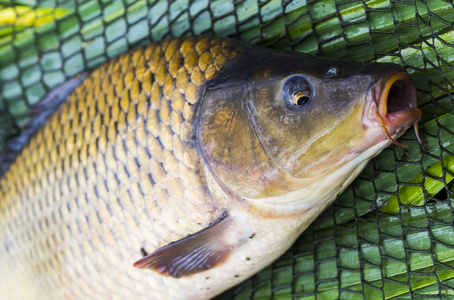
[{"x": 334, "y": 148}]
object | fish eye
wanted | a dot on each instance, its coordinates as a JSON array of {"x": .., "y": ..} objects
[{"x": 297, "y": 91}]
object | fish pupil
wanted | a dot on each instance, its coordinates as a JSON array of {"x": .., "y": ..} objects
[
  {"x": 301, "y": 97},
  {"x": 302, "y": 100}
]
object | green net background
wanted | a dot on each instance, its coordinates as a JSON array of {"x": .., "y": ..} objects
[{"x": 390, "y": 234}]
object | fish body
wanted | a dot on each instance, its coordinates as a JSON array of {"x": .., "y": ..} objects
[{"x": 198, "y": 159}]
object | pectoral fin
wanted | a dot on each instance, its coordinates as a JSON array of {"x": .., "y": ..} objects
[{"x": 193, "y": 254}]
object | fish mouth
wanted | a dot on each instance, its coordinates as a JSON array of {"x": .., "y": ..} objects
[{"x": 392, "y": 105}]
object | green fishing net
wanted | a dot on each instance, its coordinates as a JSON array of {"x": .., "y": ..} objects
[{"x": 390, "y": 234}]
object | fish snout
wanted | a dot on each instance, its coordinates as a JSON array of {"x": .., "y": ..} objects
[{"x": 392, "y": 105}]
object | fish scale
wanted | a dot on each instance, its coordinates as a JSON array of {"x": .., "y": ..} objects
[{"x": 113, "y": 173}]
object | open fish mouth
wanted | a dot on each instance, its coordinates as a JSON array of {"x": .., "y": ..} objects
[{"x": 392, "y": 105}]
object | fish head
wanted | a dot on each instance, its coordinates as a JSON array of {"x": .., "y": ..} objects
[{"x": 301, "y": 128}]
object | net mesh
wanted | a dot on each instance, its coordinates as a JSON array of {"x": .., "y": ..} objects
[{"x": 391, "y": 232}]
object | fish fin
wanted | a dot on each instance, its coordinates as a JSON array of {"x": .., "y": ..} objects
[{"x": 195, "y": 253}]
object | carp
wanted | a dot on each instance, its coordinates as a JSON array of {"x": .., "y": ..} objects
[{"x": 181, "y": 168}]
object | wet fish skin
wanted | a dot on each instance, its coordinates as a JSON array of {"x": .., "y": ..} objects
[{"x": 140, "y": 156}]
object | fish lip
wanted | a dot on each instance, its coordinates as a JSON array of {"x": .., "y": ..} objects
[{"x": 392, "y": 101}]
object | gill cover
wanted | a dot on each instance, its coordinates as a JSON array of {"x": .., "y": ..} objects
[{"x": 228, "y": 142}]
